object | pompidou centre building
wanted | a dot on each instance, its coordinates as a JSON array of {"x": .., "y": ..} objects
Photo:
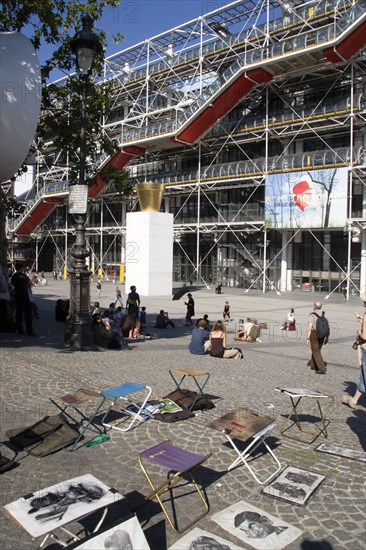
[{"x": 253, "y": 116}]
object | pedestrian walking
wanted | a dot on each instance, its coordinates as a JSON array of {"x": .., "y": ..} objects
[
  {"x": 190, "y": 310},
  {"x": 118, "y": 296},
  {"x": 99, "y": 288},
  {"x": 317, "y": 336},
  {"x": 360, "y": 345}
]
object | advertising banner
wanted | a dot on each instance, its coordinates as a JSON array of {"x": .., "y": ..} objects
[{"x": 314, "y": 199}]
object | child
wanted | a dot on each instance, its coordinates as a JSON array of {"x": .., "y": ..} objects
[
  {"x": 226, "y": 312},
  {"x": 143, "y": 317},
  {"x": 136, "y": 331}
]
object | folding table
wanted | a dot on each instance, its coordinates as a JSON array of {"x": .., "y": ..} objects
[
  {"x": 195, "y": 375},
  {"x": 123, "y": 393},
  {"x": 320, "y": 428},
  {"x": 71, "y": 403},
  {"x": 58, "y": 506},
  {"x": 247, "y": 426}
]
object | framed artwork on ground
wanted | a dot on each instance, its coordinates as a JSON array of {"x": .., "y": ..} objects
[
  {"x": 197, "y": 539},
  {"x": 126, "y": 535},
  {"x": 294, "y": 485},
  {"x": 353, "y": 454},
  {"x": 255, "y": 527},
  {"x": 45, "y": 510}
]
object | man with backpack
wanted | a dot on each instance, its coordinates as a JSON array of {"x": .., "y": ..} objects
[{"x": 317, "y": 336}]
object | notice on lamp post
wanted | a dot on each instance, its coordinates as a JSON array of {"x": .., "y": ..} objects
[{"x": 78, "y": 199}]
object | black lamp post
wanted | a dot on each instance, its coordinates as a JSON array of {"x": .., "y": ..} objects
[{"x": 85, "y": 45}]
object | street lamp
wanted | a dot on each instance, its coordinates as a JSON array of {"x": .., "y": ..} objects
[{"x": 85, "y": 45}]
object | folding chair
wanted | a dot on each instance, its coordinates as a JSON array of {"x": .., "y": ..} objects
[
  {"x": 247, "y": 426},
  {"x": 180, "y": 464},
  {"x": 79, "y": 408},
  {"x": 123, "y": 393},
  {"x": 194, "y": 374}
]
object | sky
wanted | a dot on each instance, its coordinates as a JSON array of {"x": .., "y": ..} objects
[
  {"x": 141, "y": 19},
  {"x": 138, "y": 20}
]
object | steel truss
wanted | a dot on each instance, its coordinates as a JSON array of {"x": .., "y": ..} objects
[{"x": 308, "y": 89}]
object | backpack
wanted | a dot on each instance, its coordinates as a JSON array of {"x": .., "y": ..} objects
[{"x": 322, "y": 326}]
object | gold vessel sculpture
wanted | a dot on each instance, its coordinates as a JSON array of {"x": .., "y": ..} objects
[{"x": 150, "y": 196}]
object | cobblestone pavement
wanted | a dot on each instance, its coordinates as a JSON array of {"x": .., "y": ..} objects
[{"x": 35, "y": 369}]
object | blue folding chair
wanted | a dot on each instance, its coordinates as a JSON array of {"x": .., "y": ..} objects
[{"x": 120, "y": 395}]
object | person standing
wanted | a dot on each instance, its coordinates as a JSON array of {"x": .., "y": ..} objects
[
  {"x": 315, "y": 341},
  {"x": 4, "y": 298},
  {"x": 133, "y": 302},
  {"x": 361, "y": 337},
  {"x": 23, "y": 304},
  {"x": 190, "y": 310},
  {"x": 99, "y": 288}
]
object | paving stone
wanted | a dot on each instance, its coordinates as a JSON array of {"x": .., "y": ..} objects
[{"x": 33, "y": 370}]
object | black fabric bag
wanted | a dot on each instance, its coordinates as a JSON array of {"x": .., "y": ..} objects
[
  {"x": 47, "y": 436},
  {"x": 173, "y": 417},
  {"x": 184, "y": 398}
]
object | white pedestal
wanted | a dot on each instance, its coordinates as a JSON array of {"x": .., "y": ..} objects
[{"x": 149, "y": 253}]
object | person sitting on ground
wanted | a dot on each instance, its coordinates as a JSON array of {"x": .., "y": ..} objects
[
  {"x": 128, "y": 324},
  {"x": 118, "y": 316},
  {"x": 205, "y": 318},
  {"x": 200, "y": 341},
  {"x": 289, "y": 321},
  {"x": 102, "y": 332},
  {"x": 96, "y": 309},
  {"x": 135, "y": 332},
  {"x": 162, "y": 320},
  {"x": 116, "y": 330},
  {"x": 218, "y": 337},
  {"x": 248, "y": 332}
]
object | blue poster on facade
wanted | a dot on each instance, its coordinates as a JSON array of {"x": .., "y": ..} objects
[{"x": 314, "y": 199}]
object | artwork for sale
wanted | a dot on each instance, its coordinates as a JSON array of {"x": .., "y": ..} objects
[
  {"x": 353, "y": 454},
  {"x": 197, "y": 539},
  {"x": 45, "y": 510},
  {"x": 294, "y": 485},
  {"x": 256, "y": 527},
  {"x": 127, "y": 535}
]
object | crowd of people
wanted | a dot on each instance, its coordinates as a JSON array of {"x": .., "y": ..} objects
[{"x": 127, "y": 320}]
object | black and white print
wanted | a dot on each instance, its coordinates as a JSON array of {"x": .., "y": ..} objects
[
  {"x": 256, "y": 527},
  {"x": 127, "y": 535},
  {"x": 45, "y": 510},
  {"x": 197, "y": 539},
  {"x": 294, "y": 485},
  {"x": 353, "y": 454}
]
